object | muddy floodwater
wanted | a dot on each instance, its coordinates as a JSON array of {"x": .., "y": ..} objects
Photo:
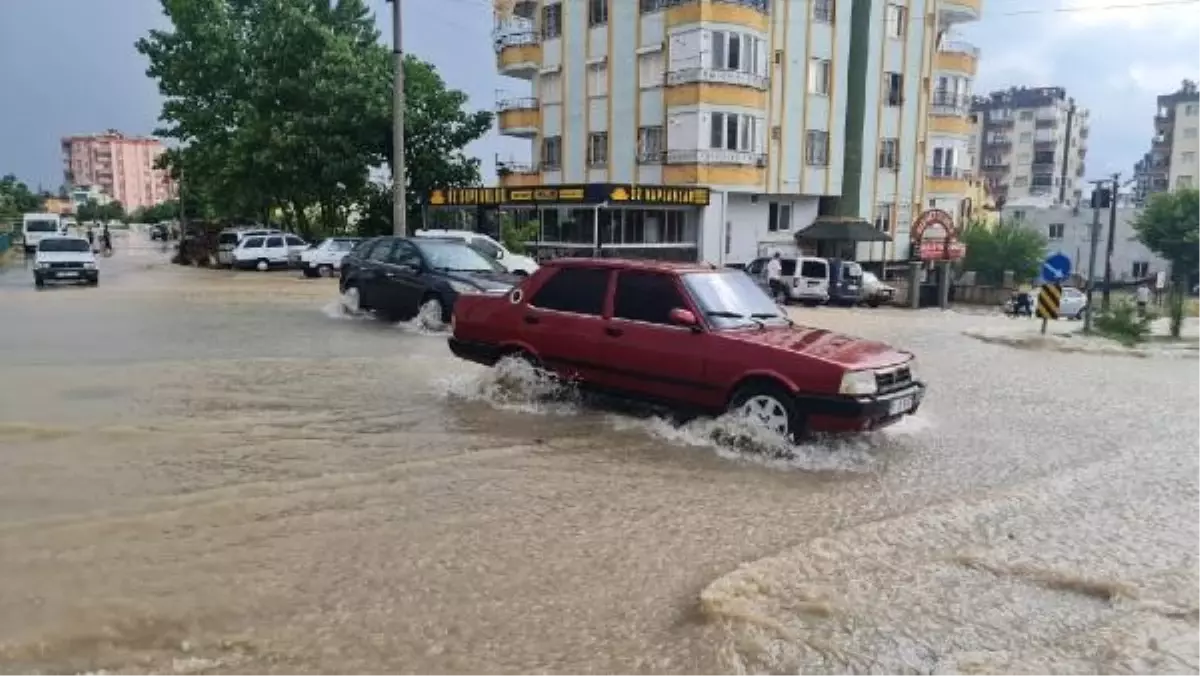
[{"x": 206, "y": 471}]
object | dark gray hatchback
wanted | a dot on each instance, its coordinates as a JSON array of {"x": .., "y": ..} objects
[{"x": 400, "y": 278}]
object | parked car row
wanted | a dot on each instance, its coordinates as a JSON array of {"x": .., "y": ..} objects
[{"x": 816, "y": 281}]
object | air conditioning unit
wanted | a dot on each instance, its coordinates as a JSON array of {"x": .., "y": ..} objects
[{"x": 778, "y": 56}]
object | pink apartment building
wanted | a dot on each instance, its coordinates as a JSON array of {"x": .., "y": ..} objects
[{"x": 122, "y": 166}]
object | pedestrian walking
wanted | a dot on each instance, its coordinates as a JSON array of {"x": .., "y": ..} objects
[
  {"x": 91, "y": 238},
  {"x": 1143, "y": 299},
  {"x": 775, "y": 278},
  {"x": 106, "y": 240}
]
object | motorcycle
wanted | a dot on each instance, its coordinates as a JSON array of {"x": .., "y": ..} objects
[{"x": 1019, "y": 305}]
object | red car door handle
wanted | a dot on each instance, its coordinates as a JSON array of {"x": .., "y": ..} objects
[
  {"x": 531, "y": 319},
  {"x": 614, "y": 331}
]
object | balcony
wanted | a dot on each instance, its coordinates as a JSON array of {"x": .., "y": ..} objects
[
  {"x": 957, "y": 56},
  {"x": 1045, "y": 122},
  {"x": 518, "y": 49},
  {"x": 997, "y": 143},
  {"x": 949, "y": 103},
  {"x": 947, "y": 180},
  {"x": 714, "y": 167},
  {"x": 518, "y": 116},
  {"x": 517, "y": 175},
  {"x": 715, "y": 86},
  {"x": 748, "y": 13},
  {"x": 959, "y": 11}
]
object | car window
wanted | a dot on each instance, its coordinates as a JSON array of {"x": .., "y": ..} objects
[
  {"x": 63, "y": 244},
  {"x": 295, "y": 241},
  {"x": 252, "y": 242},
  {"x": 274, "y": 241},
  {"x": 813, "y": 269},
  {"x": 455, "y": 255},
  {"x": 756, "y": 267},
  {"x": 341, "y": 244},
  {"x": 485, "y": 247},
  {"x": 41, "y": 226},
  {"x": 405, "y": 254},
  {"x": 579, "y": 290},
  {"x": 787, "y": 267},
  {"x": 646, "y": 297},
  {"x": 382, "y": 250},
  {"x": 363, "y": 248}
]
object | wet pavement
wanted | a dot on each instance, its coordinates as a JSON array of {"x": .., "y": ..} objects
[{"x": 213, "y": 471}]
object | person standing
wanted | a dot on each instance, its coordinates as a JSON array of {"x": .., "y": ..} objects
[
  {"x": 775, "y": 279},
  {"x": 91, "y": 238},
  {"x": 1143, "y": 299},
  {"x": 106, "y": 240}
]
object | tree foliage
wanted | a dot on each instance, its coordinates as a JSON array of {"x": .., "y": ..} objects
[
  {"x": 165, "y": 211},
  {"x": 16, "y": 198},
  {"x": 94, "y": 211},
  {"x": 1006, "y": 246},
  {"x": 1170, "y": 227},
  {"x": 285, "y": 106}
]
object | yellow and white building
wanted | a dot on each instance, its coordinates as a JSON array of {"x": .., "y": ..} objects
[{"x": 790, "y": 112}]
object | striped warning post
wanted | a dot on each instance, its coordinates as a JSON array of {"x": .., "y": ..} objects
[{"x": 1048, "y": 300}]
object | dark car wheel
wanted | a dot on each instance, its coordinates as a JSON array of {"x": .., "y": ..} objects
[
  {"x": 770, "y": 407},
  {"x": 351, "y": 300},
  {"x": 433, "y": 314}
]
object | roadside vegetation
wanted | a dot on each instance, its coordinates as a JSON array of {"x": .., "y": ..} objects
[
  {"x": 280, "y": 110},
  {"x": 1170, "y": 227},
  {"x": 1122, "y": 323},
  {"x": 1006, "y": 246}
]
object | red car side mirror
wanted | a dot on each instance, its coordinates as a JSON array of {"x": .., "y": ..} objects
[{"x": 682, "y": 317}]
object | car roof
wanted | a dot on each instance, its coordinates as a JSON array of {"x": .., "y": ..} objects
[{"x": 634, "y": 264}]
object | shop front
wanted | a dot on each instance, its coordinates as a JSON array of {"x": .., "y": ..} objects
[{"x": 592, "y": 220}]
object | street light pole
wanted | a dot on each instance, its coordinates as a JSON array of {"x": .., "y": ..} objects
[
  {"x": 399, "y": 207},
  {"x": 1097, "y": 186},
  {"x": 1112, "y": 234}
]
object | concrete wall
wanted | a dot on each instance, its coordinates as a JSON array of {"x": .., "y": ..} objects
[{"x": 1076, "y": 239}]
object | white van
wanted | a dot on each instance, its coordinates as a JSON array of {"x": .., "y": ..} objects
[
  {"x": 229, "y": 238},
  {"x": 514, "y": 263},
  {"x": 36, "y": 226},
  {"x": 805, "y": 277}
]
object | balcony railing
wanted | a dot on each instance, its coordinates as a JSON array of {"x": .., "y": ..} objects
[
  {"x": 942, "y": 171},
  {"x": 716, "y": 76},
  {"x": 949, "y": 103},
  {"x": 998, "y": 141},
  {"x": 959, "y": 47},
  {"x": 651, "y": 156},
  {"x": 506, "y": 168},
  {"x": 516, "y": 103},
  {"x": 515, "y": 34},
  {"x": 716, "y": 156},
  {"x": 648, "y": 6}
]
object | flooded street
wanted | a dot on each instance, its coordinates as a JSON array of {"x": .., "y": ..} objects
[{"x": 207, "y": 471}]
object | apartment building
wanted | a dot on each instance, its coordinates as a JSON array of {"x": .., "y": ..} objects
[
  {"x": 121, "y": 166},
  {"x": 1069, "y": 229},
  {"x": 1172, "y": 161},
  {"x": 952, "y": 183},
  {"x": 1032, "y": 143},
  {"x": 723, "y": 130}
]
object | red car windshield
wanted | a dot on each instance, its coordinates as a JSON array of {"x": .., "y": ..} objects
[{"x": 731, "y": 299}]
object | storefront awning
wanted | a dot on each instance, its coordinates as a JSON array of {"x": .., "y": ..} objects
[
  {"x": 590, "y": 194},
  {"x": 838, "y": 228}
]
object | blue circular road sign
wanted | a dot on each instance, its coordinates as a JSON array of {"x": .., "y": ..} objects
[{"x": 1056, "y": 268}]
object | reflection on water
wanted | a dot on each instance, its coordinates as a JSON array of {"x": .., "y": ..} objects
[{"x": 205, "y": 471}]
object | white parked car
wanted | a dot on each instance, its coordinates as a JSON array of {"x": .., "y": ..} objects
[
  {"x": 35, "y": 226},
  {"x": 64, "y": 259},
  {"x": 511, "y": 262},
  {"x": 229, "y": 239},
  {"x": 325, "y": 259},
  {"x": 1073, "y": 304},
  {"x": 263, "y": 252}
]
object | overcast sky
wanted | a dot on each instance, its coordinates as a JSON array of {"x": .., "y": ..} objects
[{"x": 69, "y": 66}]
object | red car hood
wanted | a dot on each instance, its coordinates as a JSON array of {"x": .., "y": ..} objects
[{"x": 834, "y": 348}]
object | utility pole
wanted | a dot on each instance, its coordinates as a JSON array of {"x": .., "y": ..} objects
[
  {"x": 399, "y": 183},
  {"x": 1112, "y": 234},
  {"x": 1098, "y": 197}
]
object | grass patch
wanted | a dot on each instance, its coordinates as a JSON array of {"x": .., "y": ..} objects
[{"x": 1122, "y": 324}]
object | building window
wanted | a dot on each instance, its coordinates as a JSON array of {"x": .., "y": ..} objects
[
  {"x": 1020, "y": 181},
  {"x": 1188, "y": 157},
  {"x": 944, "y": 163},
  {"x": 597, "y": 12},
  {"x": 889, "y": 153},
  {"x": 1025, "y": 137},
  {"x": 820, "y": 72},
  {"x": 823, "y": 10},
  {"x": 1190, "y": 109},
  {"x": 1183, "y": 182},
  {"x": 651, "y": 6},
  {"x": 650, "y": 144},
  {"x": 552, "y": 21},
  {"x": 597, "y": 80},
  {"x": 897, "y": 19},
  {"x": 550, "y": 88},
  {"x": 738, "y": 51},
  {"x": 733, "y": 131},
  {"x": 597, "y": 149},
  {"x": 650, "y": 70},
  {"x": 895, "y": 89},
  {"x": 552, "y": 152},
  {"x": 1190, "y": 132},
  {"x": 816, "y": 148},
  {"x": 1055, "y": 230},
  {"x": 1141, "y": 269},
  {"x": 883, "y": 216},
  {"x": 1025, "y": 115},
  {"x": 779, "y": 217}
]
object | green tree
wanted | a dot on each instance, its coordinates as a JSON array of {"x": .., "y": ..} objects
[
  {"x": 991, "y": 251},
  {"x": 1170, "y": 227},
  {"x": 16, "y": 198},
  {"x": 164, "y": 211},
  {"x": 88, "y": 211}
]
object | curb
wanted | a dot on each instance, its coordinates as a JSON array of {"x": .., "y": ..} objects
[{"x": 1069, "y": 344}]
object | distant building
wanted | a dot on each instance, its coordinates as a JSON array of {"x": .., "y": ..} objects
[
  {"x": 1171, "y": 162},
  {"x": 1068, "y": 229},
  {"x": 82, "y": 194},
  {"x": 58, "y": 205},
  {"x": 1032, "y": 143},
  {"x": 121, "y": 166}
]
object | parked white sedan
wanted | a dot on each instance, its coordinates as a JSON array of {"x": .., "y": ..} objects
[
  {"x": 1073, "y": 304},
  {"x": 325, "y": 259}
]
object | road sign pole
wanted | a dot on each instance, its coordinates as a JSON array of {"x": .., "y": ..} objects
[
  {"x": 1091, "y": 278},
  {"x": 1044, "y": 323}
]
